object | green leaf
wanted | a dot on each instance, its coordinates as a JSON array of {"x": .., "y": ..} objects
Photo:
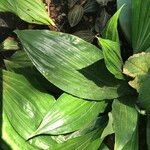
[
  {"x": 133, "y": 143},
  {"x": 12, "y": 138},
  {"x": 69, "y": 114},
  {"x": 90, "y": 141},
  {"x": 111, "y": 32},
  {"x": 140, "y": 25},
  {"x": 71, "y": 64},
  {"x": 31, "y": 11},
  {"x": 60, "y": 140},
  {"x": 75, "y": 15},
  {"x": 112, "y": 57},
  {"x": 136, "y": 23},
  {"x": 25, "y": 106},
  {"x": 109, "y": 128},
  {"x": 125, "y": 118},
  {"x": 138, "y": 67},
  {"x": 148, "y": 131},
  {"x": 9, "y": 44},
  {"x": 125, "y": 17}
]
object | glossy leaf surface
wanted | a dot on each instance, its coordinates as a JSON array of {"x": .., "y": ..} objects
[
  {"x": 69, "y": 114},
  {"x": 71, "y": 64},
  {"x": 25, "y": 106},
  {"x": 31, "y": 11}
]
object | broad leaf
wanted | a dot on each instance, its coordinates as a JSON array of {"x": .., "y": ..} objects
[
  {"x": 69, "y": 114},
  {"x": 111, "y": 31},
  {"x": 71, "y": 64},
  {"x": 25, "y": 106},
  {"x": 125, "y": 118},
  {"x": 137, "y": 66},
  {"x": 112, "y": 57},
  {"x": 31, "y": 11}
]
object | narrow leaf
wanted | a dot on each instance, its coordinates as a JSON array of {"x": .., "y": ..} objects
[
  {"x": 111, "y": 32},
  {"x": 112, "y": 57}
]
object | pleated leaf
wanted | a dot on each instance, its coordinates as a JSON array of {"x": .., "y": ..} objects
[
  {"x": 71, "y": 64},
  {"x": 140, "y": 25},
  {"x": 136, "y": 23},
  {"x": 69, "y": 114},
  {"x": 25, "y": 106},
  {"x": 125, "y": 118},
  {"x": 30, "y": 11},
  {"x": 112, "y": 57}
]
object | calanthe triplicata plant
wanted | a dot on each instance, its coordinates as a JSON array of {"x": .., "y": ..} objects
[{"x": 60, "y": 92}]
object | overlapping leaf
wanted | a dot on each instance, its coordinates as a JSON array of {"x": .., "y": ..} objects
[
  {"x": 71, "y": 64},
  {"x": 125, "y": 118},
  {"x": 69, "y": 114},
  {"x": 31, "y": 11},
  {"x": 112, "y": 57},
  {"x": 13, "y": 139},
  {"x": 89, "y": 142},
  {"x": 24, "y": 105}
]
